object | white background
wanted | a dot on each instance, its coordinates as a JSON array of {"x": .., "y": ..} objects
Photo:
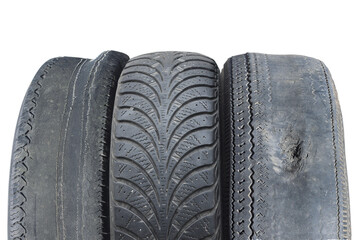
[{"x": 33, "y": 31}]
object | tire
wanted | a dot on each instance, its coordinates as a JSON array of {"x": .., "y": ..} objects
[
  {"x": 58, "y": 177},
  {"x": 164, "y": 181},
  {"x": 283, "y": 160}
]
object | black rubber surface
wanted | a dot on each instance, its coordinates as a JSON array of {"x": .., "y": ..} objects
[
  {"x": 283, "y": 163},
  {"x": 164, "y": 181},
  {"x": 59, "y": 178}
]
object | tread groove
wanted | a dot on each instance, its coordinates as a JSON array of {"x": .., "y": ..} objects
[
  {"x": 189, "y": 174},
  {"x": 173, "y": 88},
  {"x": 151, "y": 159},
  {"x": 183, "y": 137},
  {"x": 145, "y": 84},
  {"x": 127, "y": 232},
  {"x": 186, "y": 89},
  {"x": 198, "y": 192},
  {"x": 133, "y": 123},
  {"x": 143, "y": 73},
  {"x": 185, "y": 103},
  {"x": 191, "y": 60},
  {"x": 137, "y": 213},
  {"x": 189, "y": 69},
  {"x": 250, "y": 123},
  {"x": 139, "y": 190},
  {"x": 195, "y": 219},
  {"x": 144, "y": 97},
  {"x": 145, "y": 65},
  {"x": 129, "y": 161},
  {"x": 187, "y": 118},
  {"x": 144, "y": 114},
  {"x": 145, "y": 58}
]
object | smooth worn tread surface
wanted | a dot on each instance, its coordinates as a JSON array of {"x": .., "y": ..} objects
[
  {"x": 283, "y": 162},
  {"x": 59, "y": 172}
]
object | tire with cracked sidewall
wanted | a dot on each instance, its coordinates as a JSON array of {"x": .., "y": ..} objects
[{"x": 58, "y": 177}]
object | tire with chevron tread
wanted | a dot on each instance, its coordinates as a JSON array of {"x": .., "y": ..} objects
[
  {"x": 59, "y": 179},
  {"x": 164, "y": 168},
  {"x": 283, "y": 162}
]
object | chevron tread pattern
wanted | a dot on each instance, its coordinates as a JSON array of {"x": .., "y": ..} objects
[{"x": 164, "y": 181}]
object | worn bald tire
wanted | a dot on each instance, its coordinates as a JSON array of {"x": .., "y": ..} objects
[
  {"x": 59, "y": 177},
  {"x": 283, "y": 161},
  {"x": 164, "y": 181}
]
